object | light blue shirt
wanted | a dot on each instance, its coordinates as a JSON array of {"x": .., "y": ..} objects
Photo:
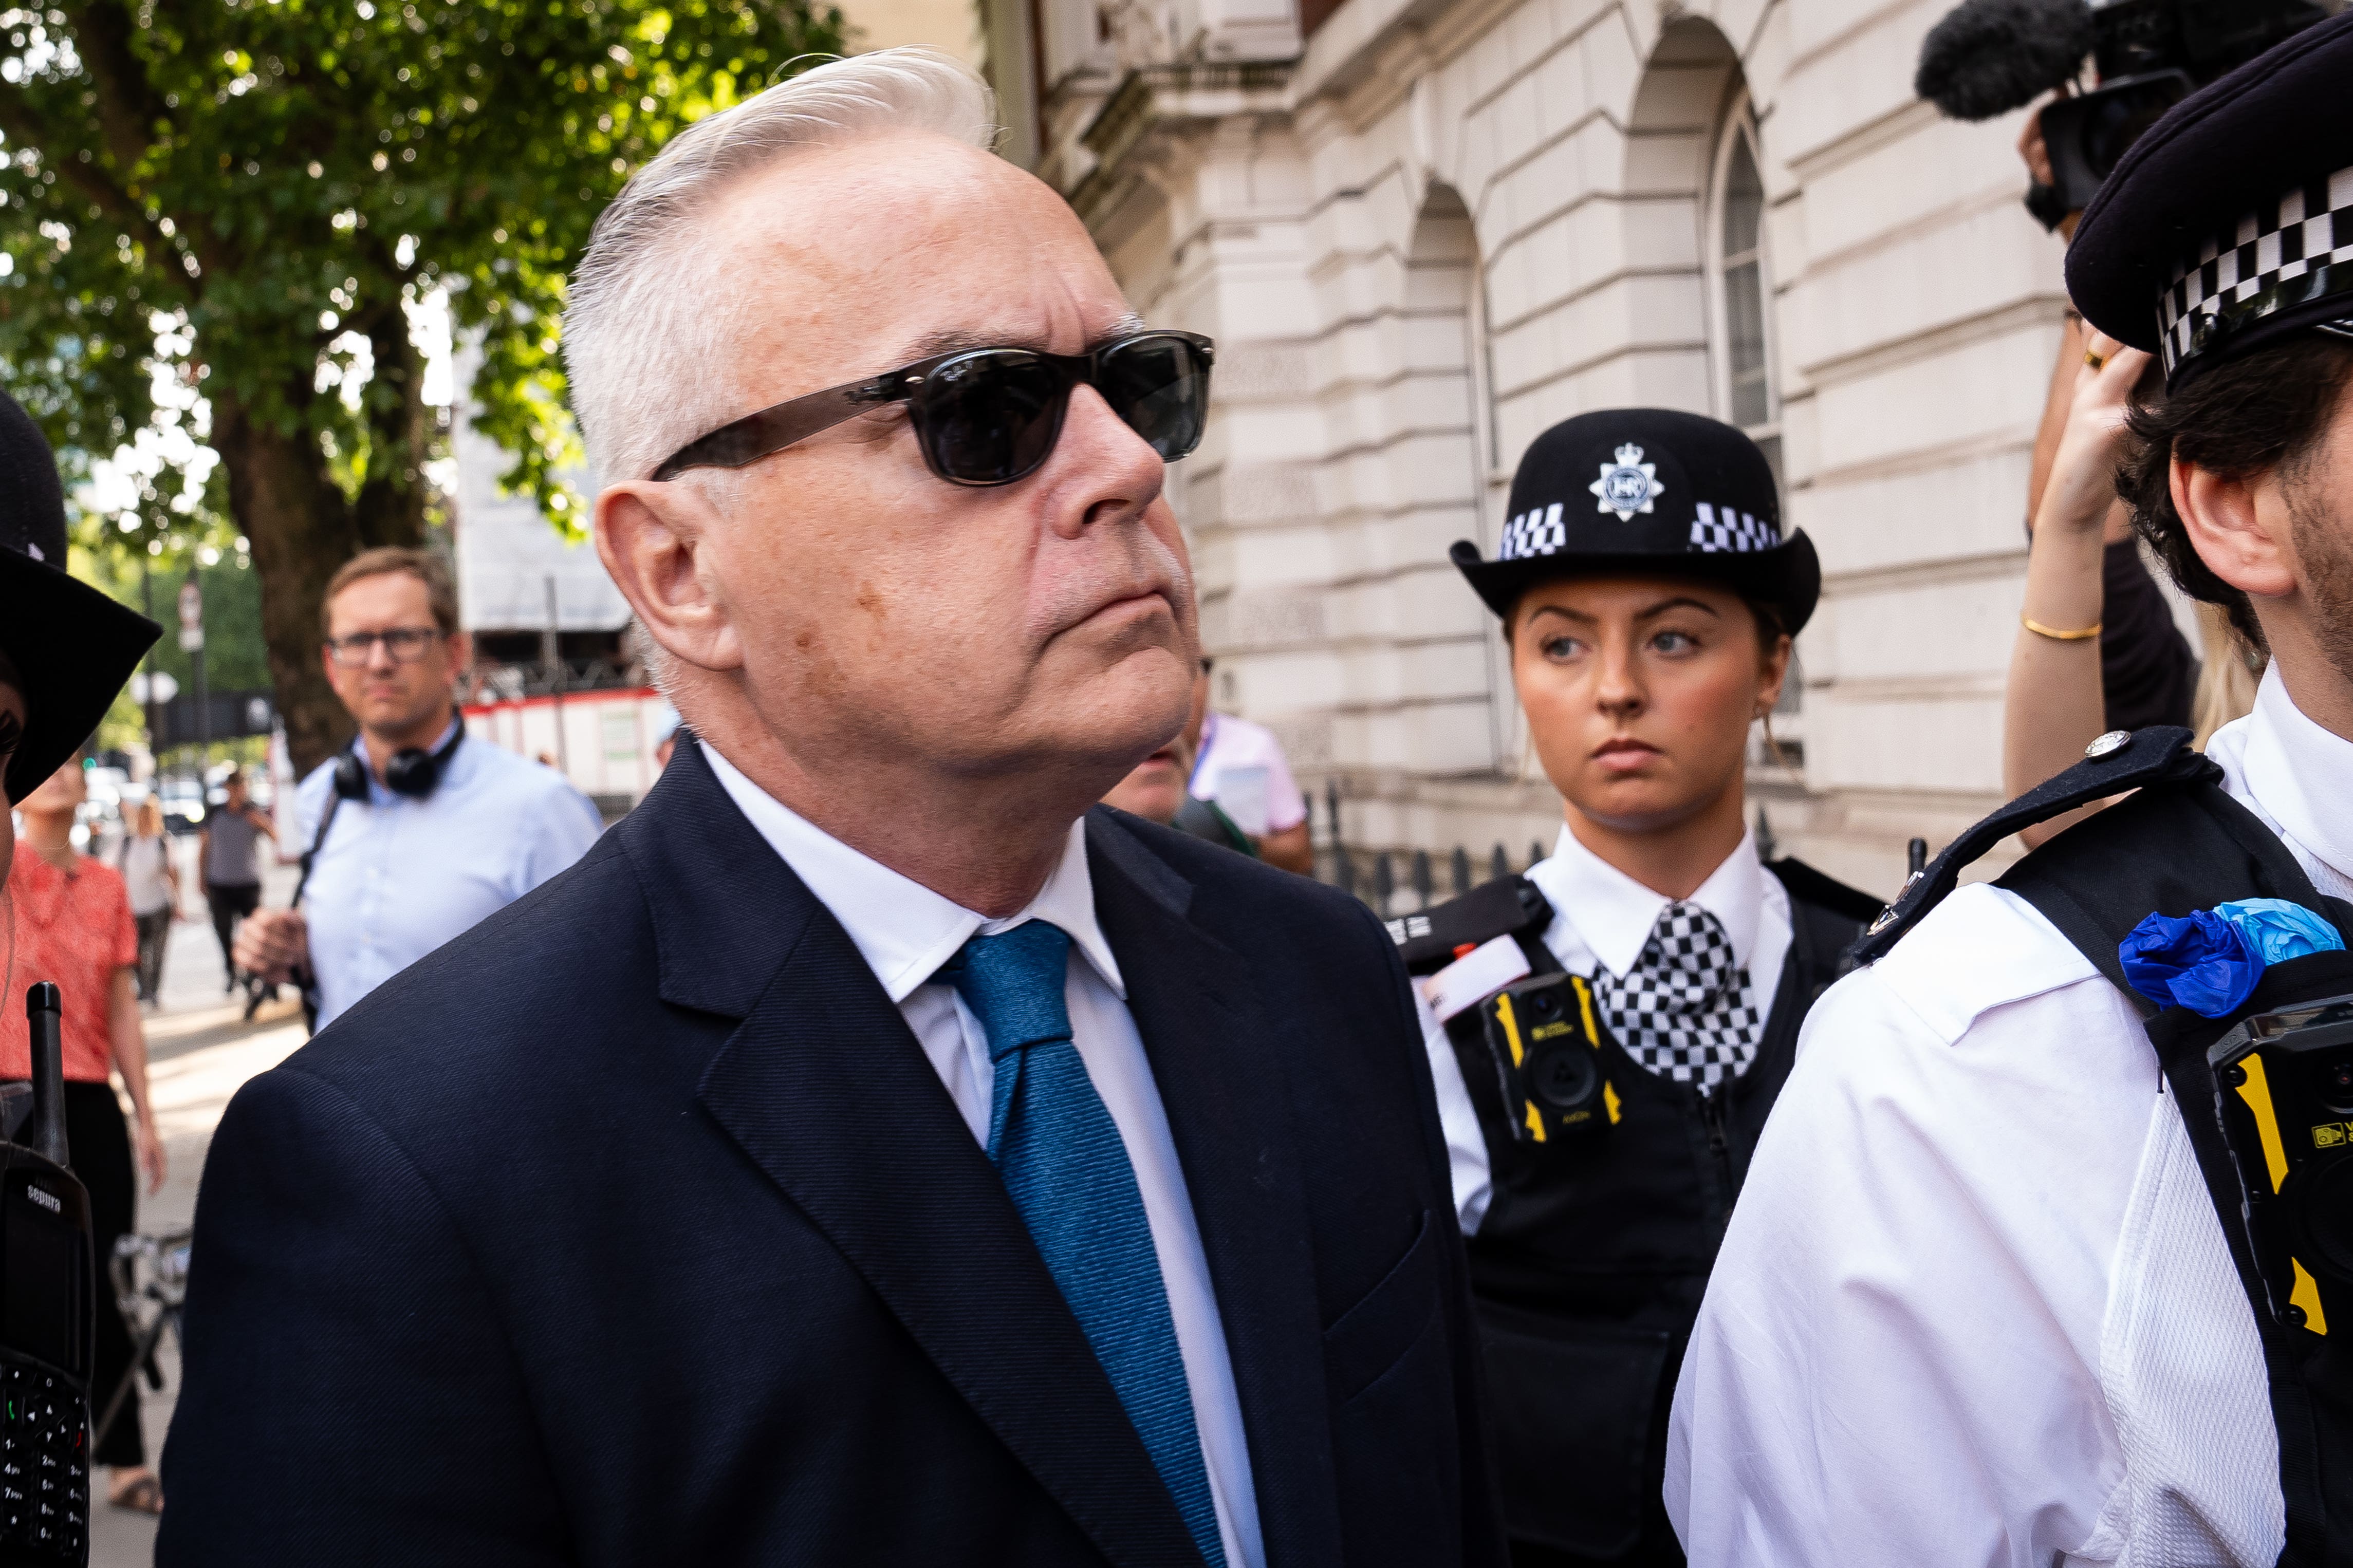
[{"x": 398, "y": 877}]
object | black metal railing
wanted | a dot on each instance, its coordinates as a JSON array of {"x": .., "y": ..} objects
[
  {"x": 1382, "y": 877},
  {"x": 1401, "y": 883}
]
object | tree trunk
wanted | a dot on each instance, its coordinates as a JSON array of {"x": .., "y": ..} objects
[{"x": 300, "y": 529}]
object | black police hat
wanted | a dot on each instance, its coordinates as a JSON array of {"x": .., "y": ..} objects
[
  {"x": 2229, "y": 224},
  {"x": 73, "y": 646},
  {"x": 1653, "y": 491}
]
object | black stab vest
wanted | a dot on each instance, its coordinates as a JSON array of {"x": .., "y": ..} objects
[
  {"x": 1589, "y": 1263},
  {"x": 2180, "y": 843}
]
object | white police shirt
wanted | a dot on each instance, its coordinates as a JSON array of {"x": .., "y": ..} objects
[
  {"x": 398, "y": 877},
  {"x": 1602, "y": 919},
  {"x": 905, "y": 931},
  {"x": 1975, "y": 1307}
]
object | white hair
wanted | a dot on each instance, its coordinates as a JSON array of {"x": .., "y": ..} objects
[{"x": 640, "y": 328}]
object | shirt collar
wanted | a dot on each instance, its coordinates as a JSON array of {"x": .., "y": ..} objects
[
  {"x": 1612, "y": 913},
  {"x": 2301, "y": 774},
  {"x": 904, "y": 930}
]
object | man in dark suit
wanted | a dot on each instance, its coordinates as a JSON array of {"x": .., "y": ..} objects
[{"x": 867, "y": 1154}]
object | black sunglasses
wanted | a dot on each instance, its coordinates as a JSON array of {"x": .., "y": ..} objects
[{"x": 989, "y": 416}]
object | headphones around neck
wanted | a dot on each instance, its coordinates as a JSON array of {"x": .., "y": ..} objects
[{"x": 413, "y": 771}]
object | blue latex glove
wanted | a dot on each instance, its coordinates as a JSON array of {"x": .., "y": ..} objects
[{"x": 2210, "y": 961}]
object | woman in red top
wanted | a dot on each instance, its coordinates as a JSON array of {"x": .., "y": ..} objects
[{"x": 73, "y": 926}]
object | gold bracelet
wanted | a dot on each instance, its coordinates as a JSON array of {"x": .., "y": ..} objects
[{"x": 2054, "y": 634}]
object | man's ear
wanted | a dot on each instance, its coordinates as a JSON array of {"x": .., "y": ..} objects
[
  {"x": 2239, "y": 527},
  {"x": 650, "y": 538}
]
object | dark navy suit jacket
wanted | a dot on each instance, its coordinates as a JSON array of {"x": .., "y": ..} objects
[{"x": 634, "y": 1227}]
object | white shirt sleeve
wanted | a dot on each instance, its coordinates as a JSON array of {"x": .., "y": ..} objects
[
  {"x": 1466, "y": 1146},
  {"x": 1899, "y": 1358}
]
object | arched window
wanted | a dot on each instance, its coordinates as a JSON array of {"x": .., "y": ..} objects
[{"x": 1743, "y": 356}]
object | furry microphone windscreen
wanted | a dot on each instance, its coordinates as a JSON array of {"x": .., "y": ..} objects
[{"x": 1988, "y": 56}]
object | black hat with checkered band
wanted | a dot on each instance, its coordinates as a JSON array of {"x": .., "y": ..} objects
[
  {"x": 2229, "y": 225},
  {"x": 1649, "y": 492}
]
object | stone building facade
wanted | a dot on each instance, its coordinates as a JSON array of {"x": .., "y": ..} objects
[{"x": 1422, "y": 231}]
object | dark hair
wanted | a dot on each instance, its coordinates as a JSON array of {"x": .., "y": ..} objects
[{"x": 2250, "y": 415}]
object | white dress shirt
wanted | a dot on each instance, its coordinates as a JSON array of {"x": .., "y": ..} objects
[
  {"x": 1602, "y": 919},
  {"x": 398, "y": 877},
  {"x": 1974, "y": 1307},
  {"x": 905, "y": 932}
]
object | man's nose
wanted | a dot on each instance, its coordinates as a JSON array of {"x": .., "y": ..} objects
[
  {"x": 1118, "y": 473},
  {"x": 380, "y": 660}
]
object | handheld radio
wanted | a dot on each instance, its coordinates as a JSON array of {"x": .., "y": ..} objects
[{"x": 46, "y": 1327}]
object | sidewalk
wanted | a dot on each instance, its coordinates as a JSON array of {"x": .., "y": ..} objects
[{"x": 200, "y": 1050}]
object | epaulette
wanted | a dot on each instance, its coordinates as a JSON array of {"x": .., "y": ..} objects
[
  {"x": 1508, "y": 905},
  {"x": 2115, "y": 762}
]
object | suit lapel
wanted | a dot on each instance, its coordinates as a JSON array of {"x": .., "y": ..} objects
[
  {"x": 1222, "y": 1083},
  {"x": 826, "y": 1091}
]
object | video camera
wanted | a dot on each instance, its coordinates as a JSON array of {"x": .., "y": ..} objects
[
  {"x": 45, "y": 1322},
  {"x": 1990, "y": 56}
]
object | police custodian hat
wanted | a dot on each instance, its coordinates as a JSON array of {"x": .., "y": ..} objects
[
  {"x": 2229, "y": 225},
  {"x": 1649, "y": 491},
  {"x": 73, "y": 646}
]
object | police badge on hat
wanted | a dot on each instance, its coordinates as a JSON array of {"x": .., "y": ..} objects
[
  {"x": 1651, "y": 491},
  {"x": 1627, "y": 486}
]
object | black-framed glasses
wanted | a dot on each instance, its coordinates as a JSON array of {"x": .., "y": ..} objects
[
  {"x": 405, "y": 644},
  {"x": 989, "y": 416}
]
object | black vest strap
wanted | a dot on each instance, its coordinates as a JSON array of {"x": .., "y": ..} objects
[
  {"x": 2160, "y": 755},
  {"x": 2179, "y": 844}
]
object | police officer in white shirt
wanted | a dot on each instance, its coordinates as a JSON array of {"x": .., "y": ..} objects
[
  {"x": 1648, "y": 596},
  {"x": 2003, "y": 1288},
  {"x": 413, "y": 836}
]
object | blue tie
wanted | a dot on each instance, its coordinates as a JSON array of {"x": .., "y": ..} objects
[{"x": 1062, "y": 1161}]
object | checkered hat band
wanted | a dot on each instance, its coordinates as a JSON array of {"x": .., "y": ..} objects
[
  {"x": 1714, "y": 529},
  {"x": 1686, "y": 1010},
  {"x": 2289, "y": 253}
]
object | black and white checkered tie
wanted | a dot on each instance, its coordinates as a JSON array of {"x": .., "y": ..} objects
[{"x": 1686, "y": 1010}]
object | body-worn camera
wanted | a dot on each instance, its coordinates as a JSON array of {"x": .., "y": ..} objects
[
  {"x": 2284, "y": 1080},
  {"x": 1548, "y": 1058}
]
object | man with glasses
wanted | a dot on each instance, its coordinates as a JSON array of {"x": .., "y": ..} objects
[
  {"x": 869, "y": 1153},
  {"x": 414, "y": 836}
]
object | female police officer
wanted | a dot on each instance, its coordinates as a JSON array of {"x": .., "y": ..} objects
[{"x": 1649, "y": 598}]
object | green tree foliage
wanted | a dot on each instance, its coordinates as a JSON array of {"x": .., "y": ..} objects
[{"x": 219, "y": 218}]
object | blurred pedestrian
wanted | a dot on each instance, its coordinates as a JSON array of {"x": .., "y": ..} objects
[
  {"x": 412, "y": 835},
  {"x": 1154, "y": 789},
  {"x": 664, "y": 734},
  {"x": 153, "y": 884},
  {"x": 74, "y": 927},
  {"x": 65, "y": 647},
  {"x": 1240, "y": 766},
  {"x": 228, "y": 863},
  {"x": 1593, "y": 1176}
]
